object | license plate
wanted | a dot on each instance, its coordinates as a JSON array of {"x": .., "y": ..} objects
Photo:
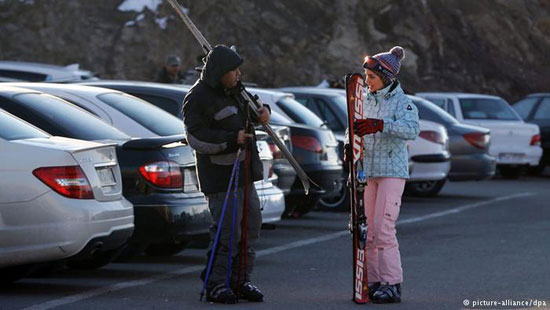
[
  {"x": 106, "y": 176},
  {"x": 510, "y": 157}
]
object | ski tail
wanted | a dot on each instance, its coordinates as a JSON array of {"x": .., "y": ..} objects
[{"x": 357, "y": 183}]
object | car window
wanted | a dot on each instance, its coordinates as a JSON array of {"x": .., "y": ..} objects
[
  {"x": 299, "y": 113},
  {"x": 487, "y": 108},
  {"x": 60, "y": 118},
  {"x": 167, "y": 104},
  {"x": 524, "y": 106},
  {"x": 144, "y": 113},
  {"x": 327, "y": 114},
  {"x": 443, "y": 103},
  {"x": 278, "y": 118},
  {"x": 22, "y": 75},
  {"x": 14, "y": 129},
  {"x": 431, "y": 112},
  {"x": 543, "y": 111}
]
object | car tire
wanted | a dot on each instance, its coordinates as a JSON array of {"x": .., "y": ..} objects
[
  {"x": 536, "y": 170},
  {"x": 510, "y": 172},
  {"x": 164, "y": 249},
  {"x": 426, "y": 188},
  {"x": 96, "y": 261},
  {"x": 338, "y": 203},
  {"x": 12, "y": 274}
]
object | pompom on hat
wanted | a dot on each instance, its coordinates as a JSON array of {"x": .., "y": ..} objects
[{"x": 387, "y": 63}]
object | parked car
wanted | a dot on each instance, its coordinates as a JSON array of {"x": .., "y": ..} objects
[
  {"x": 314, "y": 147},
  {"x": 468, "y": 144},
  {"x": 514, "y": 143},
  {"x": 158, "y": 173},
  {"x": 535, "y": 109},
  {"x": 431, "y": 157},
  {"x": 59, "y": 198},
  {"x": 138, "y": 118},
  {"x": 13, "y": 71},
  {"x": 170, "y": 98}
]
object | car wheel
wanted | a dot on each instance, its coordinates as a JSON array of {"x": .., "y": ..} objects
[
  {"x": 510, "y": 172},
  {"x": 164, "y": 249},
  {"x": 426, "y": 188},
  {"x": 96, "y": 261},
  {"x": 338, "y": 203},
  {"x": 536, "y": 170}
]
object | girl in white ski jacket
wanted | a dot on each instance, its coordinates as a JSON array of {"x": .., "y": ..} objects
[{"x": 390, "y": 119}]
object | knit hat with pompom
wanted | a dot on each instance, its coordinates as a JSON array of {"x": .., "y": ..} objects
[{"x": 390, "y": 60}]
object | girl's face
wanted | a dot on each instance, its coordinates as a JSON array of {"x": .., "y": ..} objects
[{"x": 373, "y": 81}]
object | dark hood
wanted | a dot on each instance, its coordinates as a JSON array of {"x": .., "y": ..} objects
[{"x": 220, "y": 60}]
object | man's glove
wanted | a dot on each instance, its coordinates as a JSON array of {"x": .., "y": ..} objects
[{"x": 368, "y": 126}]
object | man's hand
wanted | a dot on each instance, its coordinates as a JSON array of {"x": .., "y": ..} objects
[
  {"x": 263, "y": 115},
  {"x": 243, "y": 136}
]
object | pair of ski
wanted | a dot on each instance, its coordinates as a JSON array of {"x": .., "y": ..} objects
[{"x": 357, "y": 182}]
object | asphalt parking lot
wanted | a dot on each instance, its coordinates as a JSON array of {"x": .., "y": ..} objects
[{"x": 476, "y": 244}]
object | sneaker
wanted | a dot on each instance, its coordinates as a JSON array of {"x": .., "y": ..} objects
[
  {"x": 387, "y": 294},
  {"x": 221, "y": 294},
  {"x": 250, "y": 292},
  {"x": 373, "y": 288}
]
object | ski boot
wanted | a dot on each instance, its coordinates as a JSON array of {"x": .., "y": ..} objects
[
  {"x": 250, "y": 292},
  {"x": 221, "y": 294},
  {"x": 373, "y": 287},
  {"x": 387, "y": 294}
]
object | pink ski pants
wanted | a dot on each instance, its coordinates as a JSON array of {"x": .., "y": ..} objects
[{"x": 382, "y": 206}]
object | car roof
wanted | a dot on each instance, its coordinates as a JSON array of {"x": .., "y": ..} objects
[
  {"x": 65, "y": 87},
  {"x": 10, "y": 90},
  {"x": 141, "y": 84},
  {"x": 53, "y": 73},
  {"x": 314, "y": 90},
  {"x": 538, "y": 95},
  {"x": 458, "y": 95}
]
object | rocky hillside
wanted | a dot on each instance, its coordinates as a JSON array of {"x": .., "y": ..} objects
[{"x": 489, "y": 46}]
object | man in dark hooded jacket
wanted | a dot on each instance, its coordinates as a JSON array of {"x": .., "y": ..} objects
[{"x": 215, "y": 121}]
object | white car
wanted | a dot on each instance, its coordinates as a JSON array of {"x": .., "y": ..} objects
[
  {"x": 12, "y": 71},
  {"x": 59, "y": 198},
  {"x": 514, "y": 143},
  {"x": 139, "y": 118},
  {"x": 431, "y": 157}
]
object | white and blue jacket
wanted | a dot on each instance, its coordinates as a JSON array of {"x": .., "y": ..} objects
[{"x": 385, "y": 153}]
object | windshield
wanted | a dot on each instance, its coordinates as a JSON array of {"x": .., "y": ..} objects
[
  {"x": 299, "y": 113},
  {"x": 60, "y": 118},
  {"x": 149, "y": 116},
  {"x": 487, "y": 108},
  {"x": 15, "y": 129},
  {"x": 431, "y": 112}
]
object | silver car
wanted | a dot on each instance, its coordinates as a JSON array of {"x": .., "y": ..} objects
[{"x": 59, "y": 198}]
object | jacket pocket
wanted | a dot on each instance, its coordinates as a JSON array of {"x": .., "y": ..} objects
[{"x": 225, "y": 112}]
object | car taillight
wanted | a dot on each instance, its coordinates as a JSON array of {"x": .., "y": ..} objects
[
  {"x": 433, "y": 136},
  {"x": 68, "y": 181},
  {"x": 478, "y": 139},
  {"x": 307, "y": 143},
  {"x": 275, "y": 151},
  {"x": 535, "y": 140},
  {"x": 165, "y": 174}
]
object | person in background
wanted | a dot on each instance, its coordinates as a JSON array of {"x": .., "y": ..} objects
[{"x": 170, "y": 72}]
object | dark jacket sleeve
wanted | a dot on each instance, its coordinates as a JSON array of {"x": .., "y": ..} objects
[{"x": 201, "y": 136}]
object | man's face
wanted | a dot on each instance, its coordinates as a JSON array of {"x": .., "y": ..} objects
[
  {"x": 230, "y": 79},
  {"x": 172, "y": 69}
]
